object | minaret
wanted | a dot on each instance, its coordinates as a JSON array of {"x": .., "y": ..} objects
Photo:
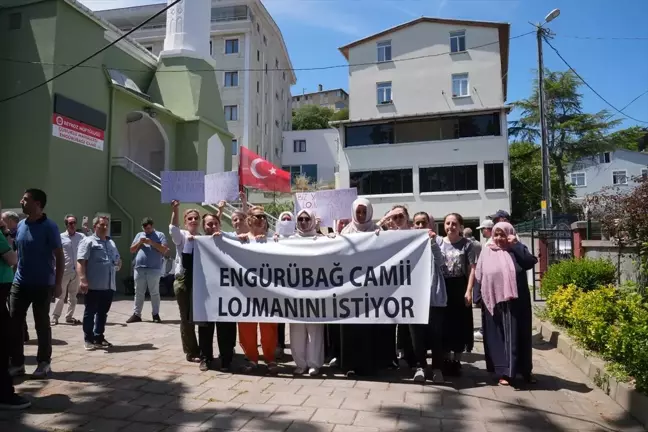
[{"x": 188, "y": 29}]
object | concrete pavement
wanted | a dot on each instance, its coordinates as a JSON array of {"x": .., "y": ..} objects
[{"x": 144, "y": 384}]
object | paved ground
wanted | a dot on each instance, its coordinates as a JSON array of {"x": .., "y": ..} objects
[{"x": 145, "y": 385}]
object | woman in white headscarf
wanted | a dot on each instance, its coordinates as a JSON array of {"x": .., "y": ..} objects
[
  {"x": 360, "y": 347},
  {"x": 307, "y": 340},
  {"x": 285, "y": 225}
]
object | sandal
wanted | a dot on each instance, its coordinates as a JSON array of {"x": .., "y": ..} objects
[
  {"x": 503, "y": 382},
  {"x": 73, "y": 321}
]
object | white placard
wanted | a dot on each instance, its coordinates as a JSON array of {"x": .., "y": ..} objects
[
  {"x": 184, "y": 186},
  {"x": 357, "y": 278},
  {"x": 329, "y": 205},
  {"x": 222, "y": 186}
]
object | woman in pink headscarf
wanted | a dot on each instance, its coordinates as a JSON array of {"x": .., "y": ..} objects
[{"x": 502, "y": 290}]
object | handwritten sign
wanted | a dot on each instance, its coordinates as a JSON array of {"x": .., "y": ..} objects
[
  {"x": 328, "y": 205},
  {"x": 222, "y": 186},
  {"x": 184, "y": 186}
]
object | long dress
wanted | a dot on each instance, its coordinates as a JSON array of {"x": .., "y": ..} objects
[
  {"x": 507, "y": 332},
  {"x": 458, "y": 322}
]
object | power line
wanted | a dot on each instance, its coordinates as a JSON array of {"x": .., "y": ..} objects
[
  {"x": 316, "y": 68},
  {"x": 604, "y": 38},
  {"x": 74, "y": 66},
  {"x": 589, "y": 86}
]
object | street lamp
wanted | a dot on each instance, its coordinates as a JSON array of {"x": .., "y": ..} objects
[{"x": 545, "y": 206}]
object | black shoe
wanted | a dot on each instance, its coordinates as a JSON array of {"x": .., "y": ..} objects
[
  {"x": 193, "y": 358},
  {"x": 14, "y": 403},
  {"x": 103, "y": 343},
  {"x": 204, "y": 365},
  {"x": 133, "y": 319},
  {"x": 156, "y": 319},
  {"x": 26, "y": 337}
]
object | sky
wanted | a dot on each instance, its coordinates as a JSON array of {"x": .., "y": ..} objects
[{"x": 605, "y": 41}]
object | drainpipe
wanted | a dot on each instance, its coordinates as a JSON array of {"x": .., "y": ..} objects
[{"x": 110, "y": 195}]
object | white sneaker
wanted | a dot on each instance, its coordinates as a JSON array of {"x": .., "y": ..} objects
[
  {"x": 42, "y": 370},
  {"x": 478, "y": 336},
  {"x": 16, "y": 371},
  {"x": 299, "y": 371},
  {"x": 54, "y": 320},
  {"x": 333, "y": 362},
  {"x": 437, "y": 376},
  {"x": 313, "y": 372},
  {"x": 419, "y": 376}
]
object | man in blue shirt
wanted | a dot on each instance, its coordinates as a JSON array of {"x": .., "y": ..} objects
[
  {"x": 38, "y": 276},
  {"x": 97, "y": 263},
  {"x": 149, "y": 247}
]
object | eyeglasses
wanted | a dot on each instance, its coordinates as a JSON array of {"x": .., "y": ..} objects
[
  {"x": 398, "y": 216},
  {"x": 304, "y": 219},
  {"x": 192, "y": 218}
]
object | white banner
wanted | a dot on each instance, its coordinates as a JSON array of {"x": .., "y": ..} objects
[{"x": 357, "y": 278}]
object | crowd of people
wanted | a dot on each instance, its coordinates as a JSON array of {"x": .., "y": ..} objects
[{"x": 39, "y": 264}]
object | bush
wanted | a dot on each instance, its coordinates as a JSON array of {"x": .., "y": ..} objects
[
  {"x": 592, "y": 315},
  {"x": 559, "y": 304},
  {"x": 627, "y": 342},
  {"x": 586, "y": 274}
]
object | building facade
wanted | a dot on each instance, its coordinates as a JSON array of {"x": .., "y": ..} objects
[
  {"x": 97, "y": 138},
  {"x": 427, "y": 127},
  {"x": 311, "y": 153},
  {"x": 254, "y": 69},
  {"x": 336, "y": 99},
  {"x": 617, "y": 169}
]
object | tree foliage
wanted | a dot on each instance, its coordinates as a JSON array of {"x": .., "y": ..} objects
[
  {"x": 526, "y": 181},
  {"x": 631, "y": 138},
  {"x": 311, "y": 117},
  {"x": 343, "y": 114},
  {"x": 572, "y": 134}
]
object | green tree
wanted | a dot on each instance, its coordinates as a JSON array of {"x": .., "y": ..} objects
[
  {"x": 572, "y": 134},
  {"x": 630, "y": 138},
  {"x": 311, "y": 117},
  {"x": 526, "y": 181},
  {"x": 343, "y": 114}
]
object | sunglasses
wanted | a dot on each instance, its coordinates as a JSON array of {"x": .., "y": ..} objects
[
  {"x": 259, "y": 216},
  {"x": 192, "y": 218},
  {"x": 398, "y": 216},
  {"x": 304, "y": 219}
]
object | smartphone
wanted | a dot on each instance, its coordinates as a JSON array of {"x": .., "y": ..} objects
[{"x": 85, "y": 220}]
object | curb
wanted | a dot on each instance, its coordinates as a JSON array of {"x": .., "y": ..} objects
[{"x": 635, "y": 403}]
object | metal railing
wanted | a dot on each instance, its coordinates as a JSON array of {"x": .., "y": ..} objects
[{"x": 154, "y": 180}]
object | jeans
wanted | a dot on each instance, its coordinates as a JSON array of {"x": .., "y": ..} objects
[
  {"x": 97, "y": 306},
  {"x": 147, "y": 278},
  {"x": 71, "y": 288},
  {"x": 424, "y": 336},
  {"x": 39, "y": 297},
  {"x": 182, "y": 292},
  {"x": 6, "y": 383}
]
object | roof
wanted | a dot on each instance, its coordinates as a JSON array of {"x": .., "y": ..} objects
[
  {"x": 323, "y": 91},
  {"x": 417, "y": 116},
  {"x": 503, "y": 32}
]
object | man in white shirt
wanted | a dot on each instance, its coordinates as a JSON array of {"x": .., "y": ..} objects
[{"x": 70, "y": 239}]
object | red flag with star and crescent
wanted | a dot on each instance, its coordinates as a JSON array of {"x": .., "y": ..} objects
[{"x": 258, "y": 173}]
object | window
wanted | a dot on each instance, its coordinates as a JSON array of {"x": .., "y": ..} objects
[
  {"x": 234, "y": 147},
  {"x": 620, "y": 177},
  {"x": 435, "y": 129},
  {"x": 276, "y": 63},
  {"x": 284, "y": 76},
  {"x": 309, "y": 171},
  {"x": 277, "y": 95},
  {"x": 494, "y": 175},
  {"x": 258, "y": 86},
  {"x": 448, "y": 178},
  {"x": 258, "y": 124},
  {"x": 211, "y": 48},
  {"x": 266, "y": 68},
  {"x": 460, "y": 85},
  {"x": 231, "y": 112},
  {"x": 231, "y": 79},
  {"x": 299, "y": 146},
  {"x": 276, "y": 123},
  {"x": 265, "y": 41},
  {"x": 115, "y": 228},
  {"x": 266, "y": 97},
  {"x": 231, "y": 46},
  {"x": 458, "y": 41},
  {"x": 384, "y": 93},
  {"x": 395, "y": 181},
  {"x": 578, "y": 179},
  {"x": 258, "y": 55},
  {"x": 384, "y": 51},
  {"x": 15, "y": 22},
  {"x": 265, "y": 128},
  {"x": 258, "y": 28},
  {"x": 282, "y": 94},
  {"x": 604, "y": 157}
]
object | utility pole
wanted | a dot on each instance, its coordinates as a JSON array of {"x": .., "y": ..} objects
[{"x": 545, "y": 205}]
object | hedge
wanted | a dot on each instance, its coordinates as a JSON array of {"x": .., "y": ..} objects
[
  {"x": 609, "y": 321},
  {"x": 587, "y": 274}
]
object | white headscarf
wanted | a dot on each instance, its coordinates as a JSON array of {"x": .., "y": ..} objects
[
  {"x": 355, "y": 225},
  {"x": 286, "y": 213},
  {"x": 286, "y": 228},
  {"x": 310, "y": 230}
]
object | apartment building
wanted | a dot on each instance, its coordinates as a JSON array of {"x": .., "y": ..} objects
[
  {"x": 254, "y": 65},
  {"x": 427, "y": 126},
  {"x": 335, "y": 99},
  {"x": 311, "y": 153}
]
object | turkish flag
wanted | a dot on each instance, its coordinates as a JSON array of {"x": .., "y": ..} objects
[{"x": 258, "y": 173}]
